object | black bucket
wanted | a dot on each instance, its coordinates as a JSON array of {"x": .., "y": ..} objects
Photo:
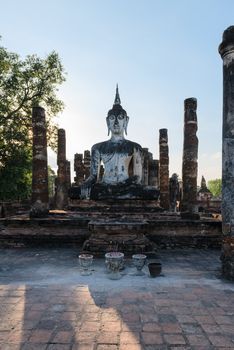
[{"x": 155, "y": 269}]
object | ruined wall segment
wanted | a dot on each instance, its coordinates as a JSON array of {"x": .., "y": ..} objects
[
  {"x": 150, "y": 169},
  {"x": 154, "y": 173}
]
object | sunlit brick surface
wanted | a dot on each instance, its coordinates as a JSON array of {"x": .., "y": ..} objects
[{"x": 46, "y": 304}]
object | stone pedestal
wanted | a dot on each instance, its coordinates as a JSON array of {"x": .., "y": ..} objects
[
  {"x": 163, "y": 169},
  {"x": 189, "y": 208},
  {"x": 226, "y": 50},
  {"x": 40, "y": 197},
  {"x": 127, "y": 236},
  {"x": 127, "y": 190}
]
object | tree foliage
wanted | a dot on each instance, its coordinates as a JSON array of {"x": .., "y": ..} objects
[
  {"x": 215, "y": 187},
  {"x": 16, "y": 175},
  {"x": 51, "y": 181},
  {"x": 24, "y": 83}
]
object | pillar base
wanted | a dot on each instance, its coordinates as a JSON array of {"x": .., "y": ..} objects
[{"x": 227, "y": 258}]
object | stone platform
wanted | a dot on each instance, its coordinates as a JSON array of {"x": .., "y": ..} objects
[
  {"x": 62, "y": 228},
  {"x": 115, "y": 206}
]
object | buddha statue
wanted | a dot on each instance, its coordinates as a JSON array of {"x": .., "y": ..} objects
[{"x": 121, "y": 159}]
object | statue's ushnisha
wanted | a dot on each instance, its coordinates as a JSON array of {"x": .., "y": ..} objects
[{"x": 122, "y": 159}]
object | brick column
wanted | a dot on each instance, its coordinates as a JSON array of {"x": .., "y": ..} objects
[
  {"x": 68, "y": 173},
  {"x": 87, "y": 162},
  {"x": 146, "y": 166},
  {"x": 61, "y": 193},
  {"x": 189, "y": 206},
  {"x": 163, "y": 169},
  {"x": 40, "y": 196},
  {"x": 78, "y": 168},
  {"x": 226, "y": 50},
  {"x": 153, "y": 172},
  {"x": 174, "y": 191}
]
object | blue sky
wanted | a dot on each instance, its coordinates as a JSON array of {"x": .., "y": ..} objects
[{"x": 159, "y": 51}]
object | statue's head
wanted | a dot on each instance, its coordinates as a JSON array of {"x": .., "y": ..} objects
[{"x": 117, "y": 119}]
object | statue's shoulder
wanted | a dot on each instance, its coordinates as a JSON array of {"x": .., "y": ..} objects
[
  {"x": 133, "y": 145},
  {"x": 110, "y": 146},
  {"x": 99, "y": 146}
]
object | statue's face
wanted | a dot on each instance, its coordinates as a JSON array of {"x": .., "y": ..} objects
[{"x": 117, "y": 123}]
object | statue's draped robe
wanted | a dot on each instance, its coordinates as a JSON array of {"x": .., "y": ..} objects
[{"x": 121, "y": 159}]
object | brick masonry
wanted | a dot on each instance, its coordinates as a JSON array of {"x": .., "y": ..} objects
[
  {"x": 47, "y": 304},
  {"x": 72, "y": 229}
]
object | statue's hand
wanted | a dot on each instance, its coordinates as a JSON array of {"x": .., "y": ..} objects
[
  {"x": 86, "y": 186},
  {"x": 135, "y": 179},
  {"x": 85, "y": 191}
]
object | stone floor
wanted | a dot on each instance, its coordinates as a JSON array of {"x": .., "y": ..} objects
[{"x": 46, "y": 304}]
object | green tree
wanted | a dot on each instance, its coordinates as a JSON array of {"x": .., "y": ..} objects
[
  {"x": 24, "y": 83},
  {"x": 215, "y": 187},
  {"x": 51, "y": 181},
  {"x": 15, "y": 175}
]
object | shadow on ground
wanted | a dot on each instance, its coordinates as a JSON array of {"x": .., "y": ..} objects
[{"x": 47, "y": 304}]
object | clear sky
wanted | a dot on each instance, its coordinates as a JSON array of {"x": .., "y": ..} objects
[{"x": 159, "y": 51}]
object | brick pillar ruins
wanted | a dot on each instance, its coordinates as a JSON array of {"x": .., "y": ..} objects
[
  {"x": 189, "y": 206},
  {"x": 226, "y": 50},
  {"x": 153, "y": 172},
  {"x": 164, "y": 169},
  {"x": 146, "y": 166},
  {"x": 87, "y": 162},
  {"x": 79, "y": 168},
  {"x": 40, "y": 194},
  {"x": 61, "y": 190},
  {"x": 68, "y": 173}
]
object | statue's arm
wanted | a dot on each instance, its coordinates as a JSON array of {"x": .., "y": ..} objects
[
  {"x": 138, "y": 164},
  {"x": 95, "y": 163}
]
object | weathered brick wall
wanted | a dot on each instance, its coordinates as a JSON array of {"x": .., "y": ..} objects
[{"x": 74, "y": 231}]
